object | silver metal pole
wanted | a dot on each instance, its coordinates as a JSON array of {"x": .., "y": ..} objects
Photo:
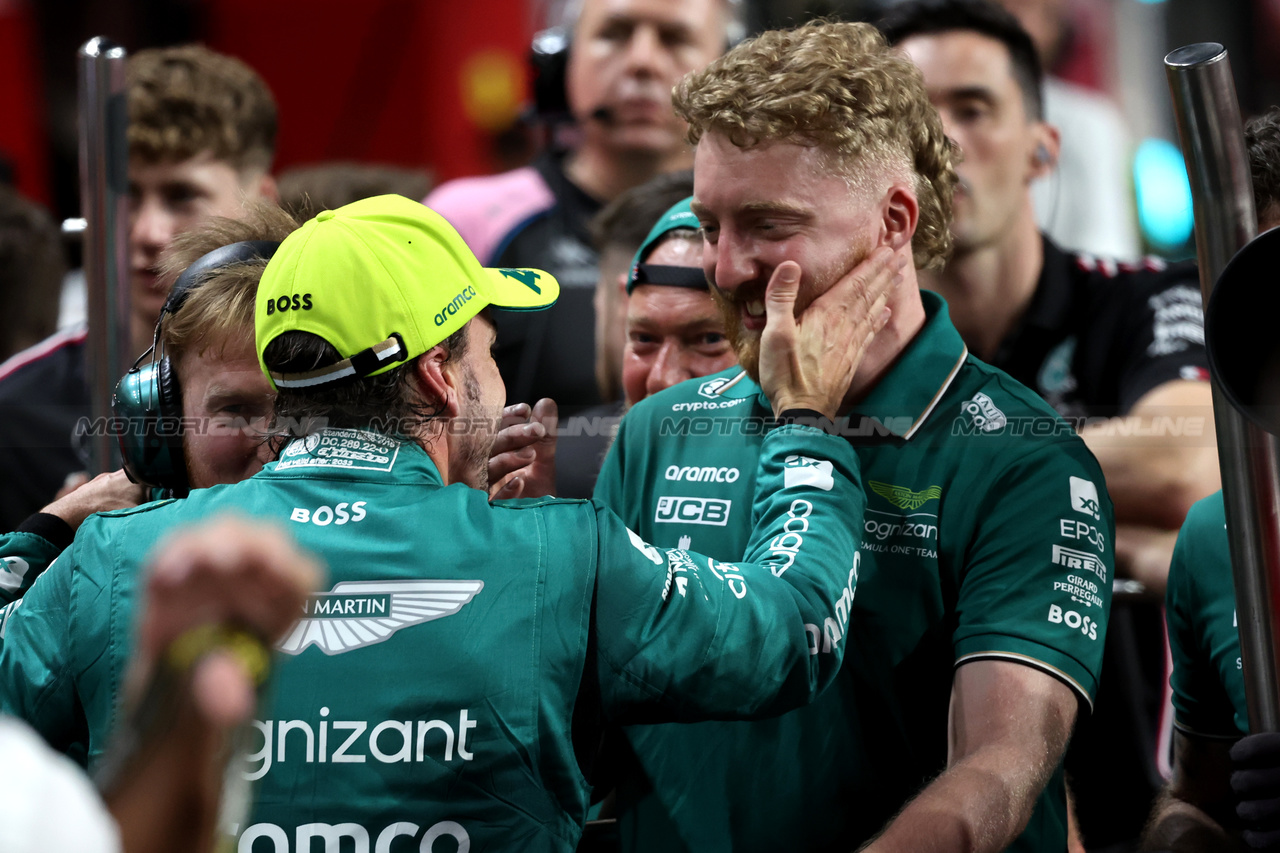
[
  {"x": 1212, "y": 135},
  {"x": 104, "y": 200}
]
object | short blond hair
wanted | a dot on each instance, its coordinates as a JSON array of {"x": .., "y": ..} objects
[
  {"x": 218, "y": 313},
  {"x": 840, "y": 87}
]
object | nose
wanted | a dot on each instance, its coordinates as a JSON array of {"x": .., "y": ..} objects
[
  {"x": 668, "y": 369},
  {"x": 151, "y": 227},
  {"x": 645, "y": 52},
  {"x": 727, "y": 263}
]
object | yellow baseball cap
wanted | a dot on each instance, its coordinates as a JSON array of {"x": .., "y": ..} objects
[{"x": 382, "y": 280}]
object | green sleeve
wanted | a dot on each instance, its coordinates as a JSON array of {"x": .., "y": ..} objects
[
  {"x": 1035, "y": 586},
  {"x": 609, "y": 484},
  {"x": 1201, "y": 703},
  {"x": 683, "y": 636},
  {"x": 23, "y": 557},
  {"x": 35, "y": 679}
]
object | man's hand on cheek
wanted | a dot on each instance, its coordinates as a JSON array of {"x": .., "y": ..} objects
[{"x": 808, "y": 362}]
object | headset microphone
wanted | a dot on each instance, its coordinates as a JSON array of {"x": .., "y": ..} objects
[{"x": 604, "y": 115}]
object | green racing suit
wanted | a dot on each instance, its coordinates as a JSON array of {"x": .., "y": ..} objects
[{"x": 445, "y": 684}]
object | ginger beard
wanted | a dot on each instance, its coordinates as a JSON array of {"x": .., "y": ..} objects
[{"x": 746, "y": 342}]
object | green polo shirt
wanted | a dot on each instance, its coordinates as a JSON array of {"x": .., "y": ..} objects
[
  {"x": 988, "y": 535},
  {"x": 1200, "y": 606}
]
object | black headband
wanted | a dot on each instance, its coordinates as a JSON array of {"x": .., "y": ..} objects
[{"x": 692, "y": 277}]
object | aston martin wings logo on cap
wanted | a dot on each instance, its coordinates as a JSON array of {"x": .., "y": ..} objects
[
  {"x": 904, "y": 498},
  {"x": 355, "y": 614}
]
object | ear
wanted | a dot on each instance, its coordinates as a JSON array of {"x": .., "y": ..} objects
[
  {"x": 438, "y": 382},
  {"x": 899, "y": 215},
  {"x": 622, "y": 286},
  {"x": 1046, "y": 146}
]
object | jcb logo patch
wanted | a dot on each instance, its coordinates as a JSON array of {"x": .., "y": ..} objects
[{"x": 693, "y": 511}]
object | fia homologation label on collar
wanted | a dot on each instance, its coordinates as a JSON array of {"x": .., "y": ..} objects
[{"x": 352, "y": 449}]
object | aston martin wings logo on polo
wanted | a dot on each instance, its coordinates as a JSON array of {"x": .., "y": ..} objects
[
  {"x": 355, "y": 614},
  {"x": 904, "y": 498}
]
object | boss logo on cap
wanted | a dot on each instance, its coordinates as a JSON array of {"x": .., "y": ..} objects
[
  {"x": 457, "y": 302},
  {"x": 284, "y": 303}
]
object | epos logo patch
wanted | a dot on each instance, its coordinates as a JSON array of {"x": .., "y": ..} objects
[
  {"x": 711, "y": 386},
  {"x": 711, "y": 511},
  {"x": 803, "y": 471},
  {"x": 1075, "y": 529},
  {"x": 1084, "y": 497}
]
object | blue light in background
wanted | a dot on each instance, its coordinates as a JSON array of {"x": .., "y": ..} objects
[{"x": 1164, "y": 194}]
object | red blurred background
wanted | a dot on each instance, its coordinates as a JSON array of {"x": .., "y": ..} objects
[{"x": 384, "y": 81}]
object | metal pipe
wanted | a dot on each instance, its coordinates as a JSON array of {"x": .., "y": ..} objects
[
  {"x": 1208, "y": 118},
  {"x": 104, "y": 200}
]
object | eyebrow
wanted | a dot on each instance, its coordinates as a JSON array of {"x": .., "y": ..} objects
[
  {"x": 982, "y": 93},
  {"x": 714, "y": 323},
  {"x": 225, "y": 395},
  {"x": 774, "y": 207},
  {"x": 615, "y": 19}
]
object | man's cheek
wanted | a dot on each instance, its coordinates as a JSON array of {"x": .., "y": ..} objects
[
  {"x": 635, "y": 375},
  {"x": 223, "y": 426},
  {"x": 706, "y": 365}
]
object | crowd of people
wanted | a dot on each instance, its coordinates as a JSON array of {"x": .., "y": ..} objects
[{"x": 757, "y": 473}]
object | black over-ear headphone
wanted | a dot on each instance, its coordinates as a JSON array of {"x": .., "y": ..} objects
[
  {"x": 549, "y": 59},
  {"x": 148, "y": 400}
]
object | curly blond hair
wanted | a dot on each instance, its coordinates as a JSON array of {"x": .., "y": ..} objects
[
  {"x": 187, "y": 100},
  {"x": 840, "y": 87},
  {"x": 219, "y": 311}
]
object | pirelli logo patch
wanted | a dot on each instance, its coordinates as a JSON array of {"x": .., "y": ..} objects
[{"x": 1079, "y": 561}]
